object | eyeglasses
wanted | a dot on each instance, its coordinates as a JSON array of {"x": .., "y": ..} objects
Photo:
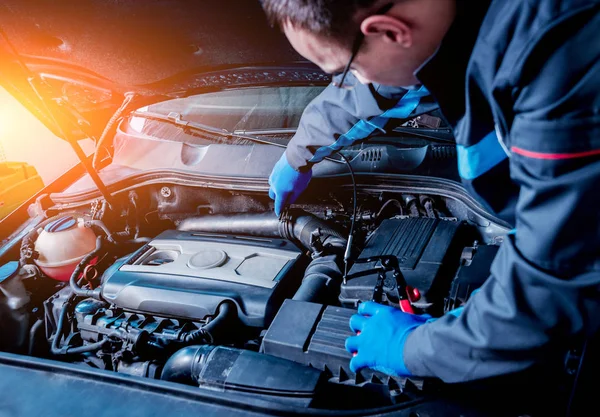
[{"x": 348, "y": 84}]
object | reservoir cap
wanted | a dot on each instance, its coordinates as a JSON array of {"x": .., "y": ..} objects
[
  {"x": 8, "y": 270},
  {"x": 60, "y": 225}
]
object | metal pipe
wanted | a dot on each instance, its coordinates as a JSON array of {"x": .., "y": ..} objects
[
  {"x": 261, "y": 224},
  {"x": 297, "y": 225}
]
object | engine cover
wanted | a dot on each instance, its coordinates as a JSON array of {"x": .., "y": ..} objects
[{"x": 188, "y": 275}]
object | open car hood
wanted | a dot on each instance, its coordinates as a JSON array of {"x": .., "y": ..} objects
[{"x": 87, "y": 54}]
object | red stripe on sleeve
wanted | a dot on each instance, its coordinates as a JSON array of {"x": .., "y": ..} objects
[{"x": 554, "y": 156}]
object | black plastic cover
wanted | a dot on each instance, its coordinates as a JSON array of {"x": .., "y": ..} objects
[
  {"x": 473, "y": 272},
  {"x": 315, "y": 335},
  {"x": 229, "y": 369},
  {"x": 428, "y": 252},
  {"x": 291, "y": 334}
]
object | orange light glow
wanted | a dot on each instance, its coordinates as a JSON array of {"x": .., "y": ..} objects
[{"x": 23, "y": 138}]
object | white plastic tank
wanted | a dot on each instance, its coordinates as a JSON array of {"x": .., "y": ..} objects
[{"x": 61, "y": 245}]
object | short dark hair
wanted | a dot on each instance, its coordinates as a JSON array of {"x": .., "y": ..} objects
[{"x": 325, "y": 17}]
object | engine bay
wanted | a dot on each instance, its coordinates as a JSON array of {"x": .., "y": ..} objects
[{"x": 240, "y": 301}]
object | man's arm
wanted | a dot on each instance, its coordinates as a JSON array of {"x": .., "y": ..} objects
[
  {"x": 333, "y": 113},
  {"x": 544, "y": 286},
  {"x": 336, "y": 119}
]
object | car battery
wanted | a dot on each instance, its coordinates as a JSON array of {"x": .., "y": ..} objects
[{"x": 428, "y": 253}]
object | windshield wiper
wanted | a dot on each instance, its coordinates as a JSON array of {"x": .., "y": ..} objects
[
  {"x": 176, "y": 119},
  {"x": 288, "y": 131},
  {"x": 436, "y": 135}
]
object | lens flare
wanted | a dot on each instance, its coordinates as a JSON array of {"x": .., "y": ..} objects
[{"x": 23, "y": 138}]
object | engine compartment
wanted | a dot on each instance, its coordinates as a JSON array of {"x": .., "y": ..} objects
[{"x": 243, "y": 302}]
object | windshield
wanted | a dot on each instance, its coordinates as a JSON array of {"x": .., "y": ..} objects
[
  {"x": 163, "y": 136},
  {"x": 242, "y": 133},
  {"x": 249, "y": 109}
]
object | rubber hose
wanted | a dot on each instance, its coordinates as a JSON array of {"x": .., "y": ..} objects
[
  {"x": 85, "y": 348},
  {"x": 59, "y": 328},
  {"x": 100, "y": 224},
  {"x": 32, "y": 334},
  {"x": 387, "y": 204},
  {"x": 214, "y": 330},
  {"x": 305, "y": 224},
  {"x": 77, "y": 290},
  {"x": 69, "y": 350},
  {"x": 321, "y": 281},
  {"x": 186, "y": 364}
]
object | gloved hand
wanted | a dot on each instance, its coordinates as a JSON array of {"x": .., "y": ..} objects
[
  {"x": 382, "y": 332},
  {"x": 286, "y": 184}
]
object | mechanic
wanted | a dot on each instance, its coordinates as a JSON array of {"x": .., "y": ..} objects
[
  {"x": 340, "y": 117},
  {"x": 519, "y": 82}
]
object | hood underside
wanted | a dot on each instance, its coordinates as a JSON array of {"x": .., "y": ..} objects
[
  {"x": 91, "y": 52},
  {"x": 134, "y": 43}
]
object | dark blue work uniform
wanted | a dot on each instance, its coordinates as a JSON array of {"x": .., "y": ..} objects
[{"x": 519, "y": 81}]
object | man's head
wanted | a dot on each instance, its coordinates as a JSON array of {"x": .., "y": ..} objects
[{"x": 398, "y": 35}]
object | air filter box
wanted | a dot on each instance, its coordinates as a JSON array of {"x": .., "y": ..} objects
[{"x": 315, "y": 335}]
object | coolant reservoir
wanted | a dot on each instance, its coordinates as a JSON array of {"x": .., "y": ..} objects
[{"x": 61, "y": 245}]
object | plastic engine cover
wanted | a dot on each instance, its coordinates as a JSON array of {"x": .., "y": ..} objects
[{"x": 188, "y": 275}]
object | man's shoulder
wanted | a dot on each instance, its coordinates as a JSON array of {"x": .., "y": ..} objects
[
  {"x": 514, "y": 29},
  {"x": 533, "y": 15}
]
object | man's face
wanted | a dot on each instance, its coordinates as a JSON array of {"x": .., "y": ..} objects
[
  {"x": 392, "y": 50},
  {"x": 371, "y": 65}
]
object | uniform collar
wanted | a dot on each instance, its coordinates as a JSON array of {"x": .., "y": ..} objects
[{"x": 444, "y": 72}]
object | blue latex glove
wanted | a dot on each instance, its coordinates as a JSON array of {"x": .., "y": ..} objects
[
  {"x": 286, "y": 184},
  {"x": 381, "y": 334}
]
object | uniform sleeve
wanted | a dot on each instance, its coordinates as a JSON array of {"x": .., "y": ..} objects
[
  {"x": 544, "y": 287},
  {"x": 335, "y": 111}
]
